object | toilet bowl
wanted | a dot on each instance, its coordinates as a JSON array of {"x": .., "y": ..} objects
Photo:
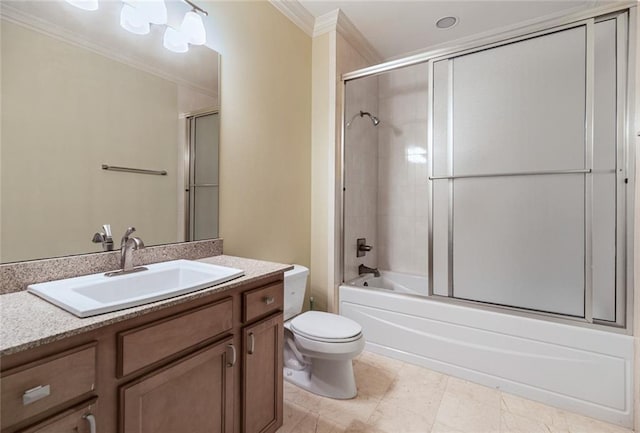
[{"x": 319, "y": 347}]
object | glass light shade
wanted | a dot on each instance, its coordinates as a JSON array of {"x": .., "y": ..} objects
[
  {"x": 154, "y": 10},
  {"x": 87, "y": 5},
  {"x": 175, "y": 41},
  {"x": 132, "y": 20},
  {"x": 193, "y": 28}
]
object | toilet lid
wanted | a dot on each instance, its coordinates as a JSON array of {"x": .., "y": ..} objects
[{"x": 325, "y": 326}]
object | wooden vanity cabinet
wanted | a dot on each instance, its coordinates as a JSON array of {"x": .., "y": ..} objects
[{"x": 183, "y": 368}]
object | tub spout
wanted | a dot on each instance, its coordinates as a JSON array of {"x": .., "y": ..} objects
[{"x": 362, "y": 269}]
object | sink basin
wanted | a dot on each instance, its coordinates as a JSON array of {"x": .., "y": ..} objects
[{"x": 96, "y": 294}]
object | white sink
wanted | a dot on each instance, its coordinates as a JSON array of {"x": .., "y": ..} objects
[{"x": 96, "y": 294}]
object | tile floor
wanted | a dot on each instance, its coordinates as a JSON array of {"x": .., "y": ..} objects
[{"x": 397, "y": 397}]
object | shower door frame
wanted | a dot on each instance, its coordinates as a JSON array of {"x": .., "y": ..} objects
[
  {"x": 189, "y": 162},
  {"x": 626, "y": 101}
]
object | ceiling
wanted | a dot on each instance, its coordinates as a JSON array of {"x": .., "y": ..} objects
[{"x": 396, "y": 28}]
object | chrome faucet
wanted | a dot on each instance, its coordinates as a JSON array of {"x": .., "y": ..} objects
[
  {"x": 362, "y": 269},
  {"x": 104, "y": 237},
  {"x": 127, "y": 245}
]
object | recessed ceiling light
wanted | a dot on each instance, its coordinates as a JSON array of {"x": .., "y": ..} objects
[{"x": 446, "y": 22}]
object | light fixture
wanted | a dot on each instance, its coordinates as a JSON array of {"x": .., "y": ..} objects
[
  {"x": 446, "y": 22},
  {"x": 175, "y": 41},
  {"x": 155, "y": 11},
  {"x": 87, "y": 5},
  {"x": 193, "y": 28},
  {"x": 137, "y": 16},
  {"x": 132, "y": 20}
]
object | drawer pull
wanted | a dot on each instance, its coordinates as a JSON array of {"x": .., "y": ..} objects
[
  {"x": 233, "y": 355},
  {"x": 92, "y": 422},
  {"x": 252, "y": 343},
  {"x": 268, "y": 300},
  {"x": 34, "y": 394}
]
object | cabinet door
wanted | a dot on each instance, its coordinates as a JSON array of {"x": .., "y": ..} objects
[
  {"x": 79, "y": 419},
  {"x": 262, "y": 375},
  {"x": 193, "y": 394}
]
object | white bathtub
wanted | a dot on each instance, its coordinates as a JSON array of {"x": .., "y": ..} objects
[{"x": 575, "y": 368}]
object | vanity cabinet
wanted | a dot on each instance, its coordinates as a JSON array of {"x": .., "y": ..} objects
[{"x": 211, "y": 364}]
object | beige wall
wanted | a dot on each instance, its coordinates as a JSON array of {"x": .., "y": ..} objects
[
  {"x": 265, "y": 155},
  {"x": 66, "y": 111}
]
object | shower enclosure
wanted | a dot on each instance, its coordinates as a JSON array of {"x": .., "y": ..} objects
[
  {"x": 496, "y": 191},
  {"x": 499, "y": 172}
]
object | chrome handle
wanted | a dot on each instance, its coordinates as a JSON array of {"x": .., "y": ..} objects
[
  {"x": 523, "y": 173},
  {"x": 252, "y": 343},
  {"x": 34, "y": 394},
  {"x": 233, "y": 355},
  {"x": 268, "y": 300},
  {"x": 92, "y": 422}
]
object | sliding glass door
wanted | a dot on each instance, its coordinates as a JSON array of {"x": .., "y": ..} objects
[{"x": 527, "y": 186}]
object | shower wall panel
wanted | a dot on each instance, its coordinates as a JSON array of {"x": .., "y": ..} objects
[{"x": 361, "y": 173}]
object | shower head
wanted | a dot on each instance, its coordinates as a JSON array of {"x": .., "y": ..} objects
[{"x": 373, "y": 118}]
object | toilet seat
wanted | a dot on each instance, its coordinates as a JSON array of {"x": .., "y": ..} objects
[{"x": 326, "y": 327}]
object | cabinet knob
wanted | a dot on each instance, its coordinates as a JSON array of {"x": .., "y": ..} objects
[
  {"x": 34, "y": 394},
  {"x": 268, "y": 300}
]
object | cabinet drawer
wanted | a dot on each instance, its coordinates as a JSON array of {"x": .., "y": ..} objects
[
  {"x": 262, "y": 301},
  {"x": 74, "y": 420},
  {"x": 36, "y": 387},
  {"x": 147, "y": 344}
]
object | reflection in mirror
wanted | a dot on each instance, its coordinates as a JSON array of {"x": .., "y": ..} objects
[{"x": 79, "y": 91}]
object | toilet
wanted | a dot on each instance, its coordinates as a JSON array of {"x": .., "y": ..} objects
[{"x": 318, "y": 347}]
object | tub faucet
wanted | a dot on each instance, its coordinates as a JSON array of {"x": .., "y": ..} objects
[
  {"x": 362, "y": 269},
  {"x": 127, "y": 245}
]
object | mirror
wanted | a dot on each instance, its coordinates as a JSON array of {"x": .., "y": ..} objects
[{"x": 80, "y": 92}]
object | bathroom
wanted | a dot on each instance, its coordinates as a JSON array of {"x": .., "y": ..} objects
[{"x": 279, "y": 171}]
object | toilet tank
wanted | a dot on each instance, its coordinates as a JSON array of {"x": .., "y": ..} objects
[{"x": 295, "y": 284}]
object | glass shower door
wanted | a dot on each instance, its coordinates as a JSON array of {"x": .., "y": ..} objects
[
  {"x": 203, "y": 176},
  {"x": 525, "y": 173}
]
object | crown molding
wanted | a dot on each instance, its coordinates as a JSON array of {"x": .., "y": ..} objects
[
  {"x": 297, "y": 13},
  {"x": 16, "y": 16},
  {"x": 326, "y": 23},
  {"x": 337, "y": 21}
]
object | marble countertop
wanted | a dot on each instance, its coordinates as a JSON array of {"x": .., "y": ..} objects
[{"x": 27, "y": 321}]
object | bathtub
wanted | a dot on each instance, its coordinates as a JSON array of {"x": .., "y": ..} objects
[{"x": 572, "y": 367}]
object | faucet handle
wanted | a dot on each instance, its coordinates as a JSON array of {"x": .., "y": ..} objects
[{"x": 107, "y": 230}]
